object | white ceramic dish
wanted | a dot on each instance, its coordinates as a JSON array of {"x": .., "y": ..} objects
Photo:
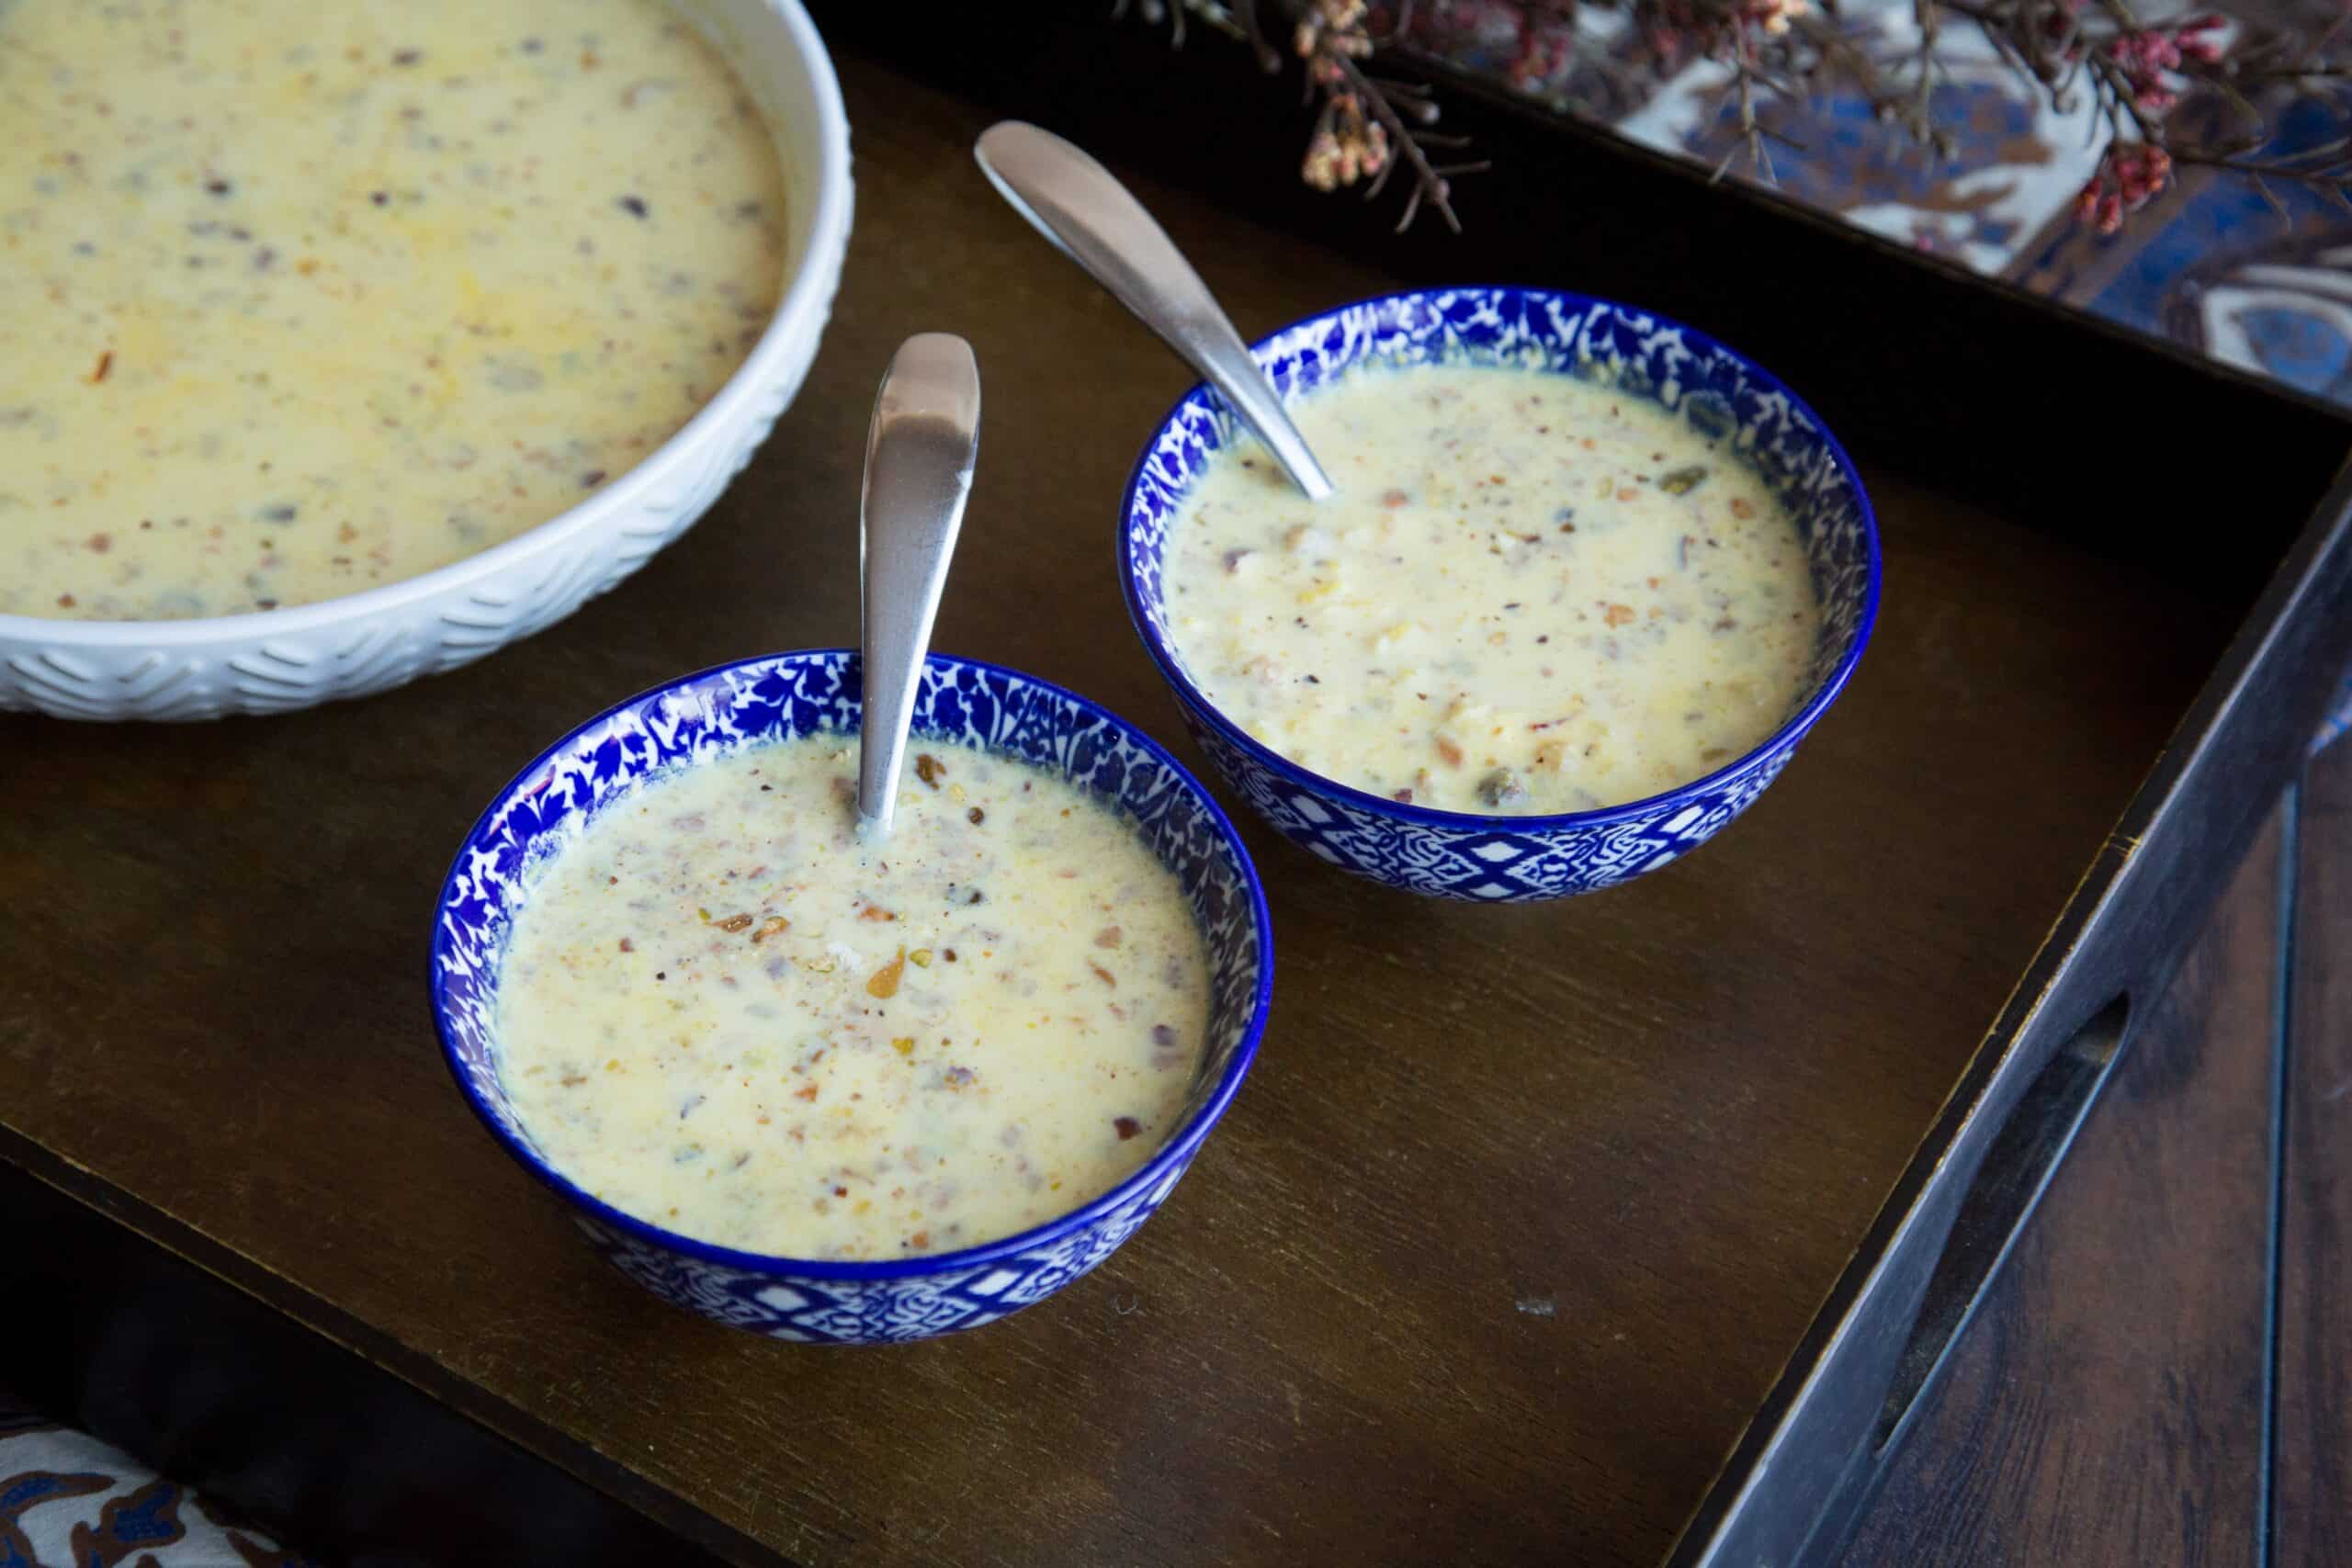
[{"x": 279, "y": 659}]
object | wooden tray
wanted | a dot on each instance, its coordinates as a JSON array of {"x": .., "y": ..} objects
[{"x": 1601, "y": 1232}]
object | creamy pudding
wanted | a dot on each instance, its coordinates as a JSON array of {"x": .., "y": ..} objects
[
  {"x": 723, "y": 1012},
  {"x": 1531, "y": 594},
  {"x": 314, "y": 297}
]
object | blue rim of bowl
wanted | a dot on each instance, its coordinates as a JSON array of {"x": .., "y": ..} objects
[
  {"x": 1179, "y": 1147},
  {"x": 1790, "y": 729}
]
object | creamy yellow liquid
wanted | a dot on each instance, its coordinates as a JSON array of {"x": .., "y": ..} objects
[
  {"x": 307, "y": 296},
  {"x": 1531, "y": 595},
  {"x": 721, "y": 1012}
]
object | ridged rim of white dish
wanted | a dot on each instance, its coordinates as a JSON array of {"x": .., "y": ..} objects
[{"x": 807, "y": 299}]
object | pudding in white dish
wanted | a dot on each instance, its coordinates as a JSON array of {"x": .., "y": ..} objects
[
  {"x": 375, "y": 637},
  {"x": 338, "y": 295}
]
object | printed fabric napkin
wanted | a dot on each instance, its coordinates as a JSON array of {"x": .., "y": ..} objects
[{"x": 68, "y": 1500}]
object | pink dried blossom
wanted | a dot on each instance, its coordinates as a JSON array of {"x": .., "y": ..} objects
[
  {"x": 2197, "y": 41},
  {"x": 1543, "y": 57},
  {"x": 1346, "y": 146},
  {"x": 1774, "y": 16},
  {"x": 2150, "y": 59},
  {"x": 2128, "y": 178}
]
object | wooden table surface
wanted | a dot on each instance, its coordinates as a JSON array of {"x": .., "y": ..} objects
[
  {"x": 2162, "y": 1374},
  {"x": 1518, "y": 1217}
]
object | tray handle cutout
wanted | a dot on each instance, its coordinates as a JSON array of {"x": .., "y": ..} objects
[{"x": 2018, "y": 1166}]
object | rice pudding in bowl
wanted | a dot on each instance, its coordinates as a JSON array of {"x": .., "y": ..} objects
[
  {"x": 384, "y": 335},
  {"x": 840, "y": 1092},
  {"x": 1589, "y": 579},
  {"x": 343, "y": 294}
]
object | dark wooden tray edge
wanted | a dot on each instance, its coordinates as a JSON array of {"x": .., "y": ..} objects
[
  {"x": 276, "y": 1357},
  {"x": 1813, "y": 1455}
]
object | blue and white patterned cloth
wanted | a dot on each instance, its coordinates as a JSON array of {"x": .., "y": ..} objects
[{"x": 70, "y": 1501}]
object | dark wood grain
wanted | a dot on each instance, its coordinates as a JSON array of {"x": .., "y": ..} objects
[
  {"x": 2107, "y": 1406},
  {"x": 2312, "y": 1510},
  {"x": 1520, "y": 1215}
]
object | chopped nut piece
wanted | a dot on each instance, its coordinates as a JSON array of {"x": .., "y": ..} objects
[
  {"x": 1105, "y": 975},
  {"x": 876, "y": 912},
  {"x": 1682, "y": 481},
  {"x": 770, "y": 927},
  {"x": 904, "y": 1045},
  {"x": 1448, "y": 750},
  {"x": 930, "y": 769},
  {"x": 884, "y": 981},
  {"x": 921, "y": 956},
  {"x": 1109, "y": 936},
  {"x": 1619, "y": 614},
  {"x": 736, "y": 923},
  {"x": 1126, "y": 1126}
]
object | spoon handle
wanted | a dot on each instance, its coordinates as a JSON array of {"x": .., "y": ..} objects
[
  {"x": 1095, "y": 221},
  {"x": 919, "y": 457}
]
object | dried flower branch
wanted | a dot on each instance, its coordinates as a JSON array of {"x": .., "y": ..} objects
[{"x": 2132, "y": 74}]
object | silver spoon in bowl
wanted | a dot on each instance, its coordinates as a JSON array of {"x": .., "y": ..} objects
[
  {"x": 1098, "y": 223},
  {"x": 919, "y": 456}
]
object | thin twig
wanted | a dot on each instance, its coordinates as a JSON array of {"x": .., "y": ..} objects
[
  {"x": 1269, "y": 59},
  {"x": 1427, "y": 184}
]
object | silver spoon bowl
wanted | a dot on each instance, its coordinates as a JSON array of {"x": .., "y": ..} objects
[
  {"x": 1095, "y": 221},
  {"x": 919, "y": 456}
]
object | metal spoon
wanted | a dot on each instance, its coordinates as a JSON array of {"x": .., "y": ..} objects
[
  {"x": 1093, "y": 219},
  {"x": 919, "y": 457}
]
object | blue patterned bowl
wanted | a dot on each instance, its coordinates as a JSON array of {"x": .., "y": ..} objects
[
  {"x": 1453, "y": 855},
  {"x": 961, "y": 701}
]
